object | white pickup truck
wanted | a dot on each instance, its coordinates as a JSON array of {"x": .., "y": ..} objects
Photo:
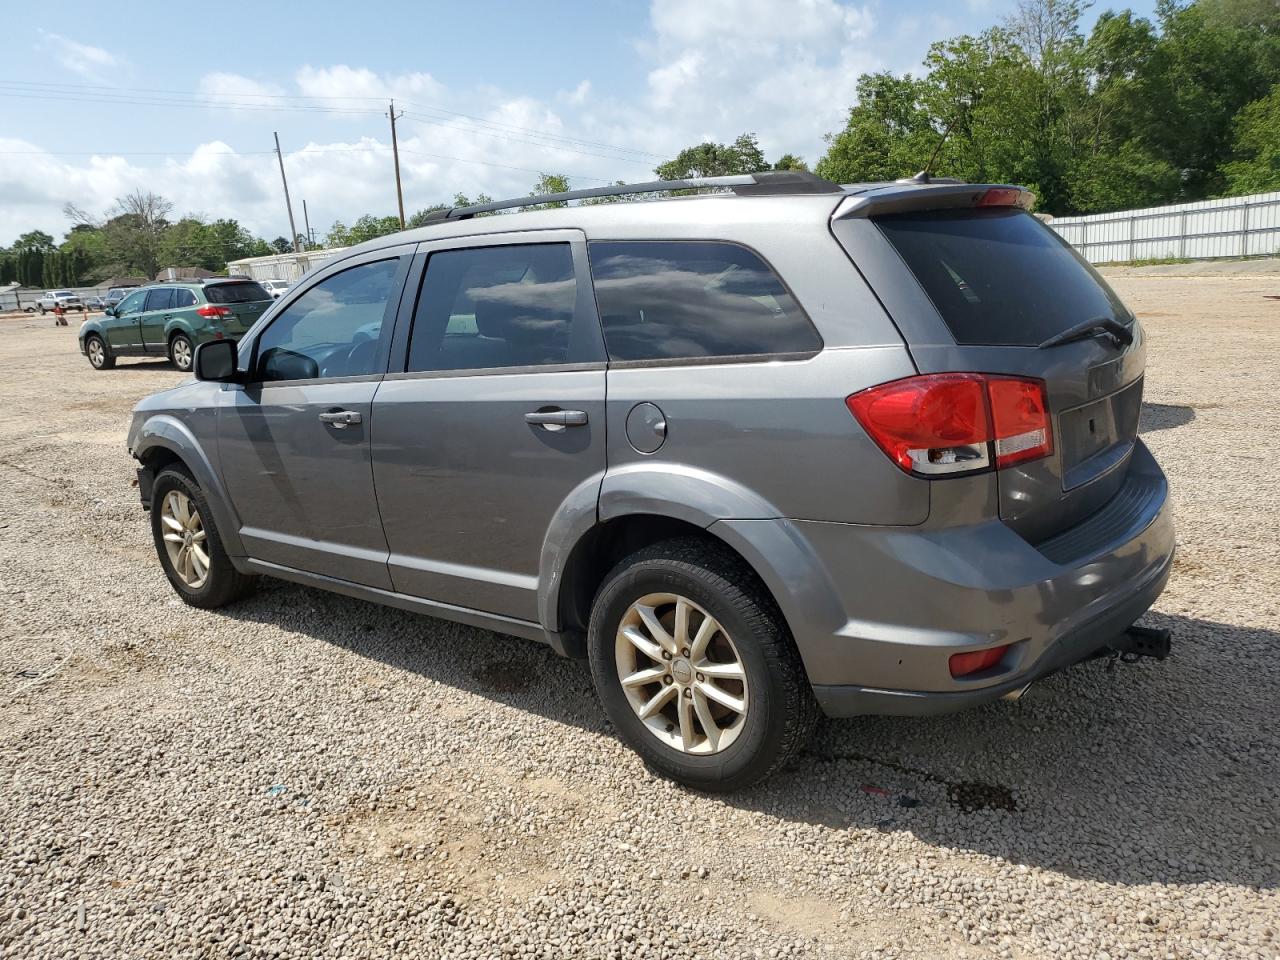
[{"x": 51, "y": 298}]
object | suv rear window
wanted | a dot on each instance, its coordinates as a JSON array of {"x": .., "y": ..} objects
[
  {"x": 999, "y": 276},
  {"x": 692, "y": 299},
  {"x": 245, "y": 291}
]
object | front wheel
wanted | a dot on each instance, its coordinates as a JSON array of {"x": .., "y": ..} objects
[
  {"x": 96, "y": 351},
  {"x": 188, "y": 545},
  {"x": 696, "y": 667},
  {"x": 181, "y": 352}
]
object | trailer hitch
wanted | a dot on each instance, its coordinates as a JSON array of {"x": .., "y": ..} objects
[{"x": 1138, "y": 642}]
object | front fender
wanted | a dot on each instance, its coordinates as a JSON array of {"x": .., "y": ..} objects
[
  {"x": 162, "y": 431},
  {"x": 93, "y": 326}
]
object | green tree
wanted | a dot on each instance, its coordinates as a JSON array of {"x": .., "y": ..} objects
[
  {"x": 715, "y": 160},
  {"x": 549, "y": 183},
  {"x": 36, "y": 240},
  {"x": 1257, "y": 147},
  {"x": 420, "y": 217},
  {"x": 789, "y": 161}
]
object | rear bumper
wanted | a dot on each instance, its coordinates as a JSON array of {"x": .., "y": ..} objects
[{"x": 877, "y": 612}]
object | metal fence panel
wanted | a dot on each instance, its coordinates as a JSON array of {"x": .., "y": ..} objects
[{"x": 1207, "y": 229}]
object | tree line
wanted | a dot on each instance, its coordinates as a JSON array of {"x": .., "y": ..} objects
[{"x": 1138, "y": 112}]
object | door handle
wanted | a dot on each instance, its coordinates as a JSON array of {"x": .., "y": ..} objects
[
  {"x": 557, "y": 418},
  {"x": 340, "y": 418}
]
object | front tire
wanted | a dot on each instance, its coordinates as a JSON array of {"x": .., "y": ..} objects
[
  {"x": 96, "y": 351},
  {"x": 696, "y": 668},
  {"x": 188, "y": 545},
  {"x": 181, "y": 353}
]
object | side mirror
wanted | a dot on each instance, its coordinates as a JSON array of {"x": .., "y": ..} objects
[
  {"x": 109, "y": 312},
  {"x": 216, "y": 361}
]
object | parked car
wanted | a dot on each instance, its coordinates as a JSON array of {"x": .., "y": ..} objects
[
  {"x": 96, "y": 303},
  {"x": 864, "y": 450},
  {"x": 172, "y": 319},
  {"x": 64, "y": 298},
  {"x": 276, "y": 287},
  {"x": 116, "y": 294}
]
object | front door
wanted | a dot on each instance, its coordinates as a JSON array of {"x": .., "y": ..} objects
[
  {"x": 123, "y": 330},
  {"x": 494, "y": 421},
  {"x": 294, "y": 441}
]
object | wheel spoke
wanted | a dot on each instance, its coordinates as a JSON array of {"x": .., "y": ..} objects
[
  {"x": 720, "y": 697},
  {"x": 682, "y": 624},
  {"x": 705, "y": 632},
  {"x": 641, "y": 677},
  {"x": 173, "y": 537},
  {"x": 197, "y": 536},
  {"x": 170, "y": 521},
  {"x": 705, "y": 718},
  {"x": 655, "y": 628},
  {"x": 721, "y": 671},
  {"x": 201, "y": 559},
  {"x": 642, "y": 643},
  {"x": 657, "y": 701},
  {"x": 685, "y": 711}
]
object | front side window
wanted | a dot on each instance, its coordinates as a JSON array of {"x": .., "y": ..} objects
[
  {"x": 132, "y": 303},
  {"x": 332, "y": 330},
  {"x": 677, "y": 299},
  {"x": 486, "y": 307}
]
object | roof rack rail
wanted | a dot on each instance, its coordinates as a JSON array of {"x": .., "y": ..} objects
[{"x": 766, "y": 183}]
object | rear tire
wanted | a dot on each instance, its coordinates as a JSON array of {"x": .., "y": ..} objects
[
  {"x": 181, "y": 353},
  {"x": 96, "y": 351},
  {"x": 188, "y": 545},
  {"x": 746, "y": 680}
]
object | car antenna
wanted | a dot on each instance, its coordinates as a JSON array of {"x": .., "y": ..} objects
[{"x": 923, "y": 175}]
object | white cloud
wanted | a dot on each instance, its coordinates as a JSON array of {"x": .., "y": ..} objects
[
  {"x": 578, "y": 95},
  {"x": 235, "y": 91},
  {"x": 361, "y": 83},
  {"x": 88, "y": 61}
]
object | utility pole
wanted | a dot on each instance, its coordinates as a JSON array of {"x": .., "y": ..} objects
[
  {"x": 306, "y": 223},
  {"x": 293, "y": 231},
  {"x": 395, "y": 152}
]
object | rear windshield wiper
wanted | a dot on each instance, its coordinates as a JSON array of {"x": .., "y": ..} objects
[{"x": 1117, "y": 331}]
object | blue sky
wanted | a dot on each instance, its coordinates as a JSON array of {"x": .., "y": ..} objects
[{"x": 96, "y": 102}]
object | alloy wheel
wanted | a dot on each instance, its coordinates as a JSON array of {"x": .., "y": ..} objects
[
  {"x": 182, "y": 353},
  {"x": 681, "y": 673},
  {"x": 184, "y": 539},
  {"x": 96, "y": 352}
]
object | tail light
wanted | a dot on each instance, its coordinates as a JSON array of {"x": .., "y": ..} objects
[
  {"x": 213, "y": 312},
  {"x": 949, "y": 423},
  {"x": 975, "y": 661}
]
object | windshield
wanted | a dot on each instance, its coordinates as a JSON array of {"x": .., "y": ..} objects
[
  {"x": 241, "y": 292},
  {"x": 999, "y": 276}
]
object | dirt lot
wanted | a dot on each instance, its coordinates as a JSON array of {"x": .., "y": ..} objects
[{"x": 304, "y": 775}]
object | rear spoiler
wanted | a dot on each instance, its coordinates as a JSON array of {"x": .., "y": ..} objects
[{"x": 911, "y": 195}]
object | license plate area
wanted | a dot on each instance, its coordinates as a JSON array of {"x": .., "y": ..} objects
[{"x": 1094, "y": 435}]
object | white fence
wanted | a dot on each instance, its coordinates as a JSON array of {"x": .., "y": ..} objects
[
  {"x": 283, "y": 266},
  {"x": 1231, "y": 227}
]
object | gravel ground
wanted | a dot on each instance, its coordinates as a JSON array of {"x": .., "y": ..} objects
[{"x": 308, "y": 776}]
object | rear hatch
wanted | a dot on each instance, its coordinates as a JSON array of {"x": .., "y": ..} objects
[
  {"x": 1003, "y": 287},
  {"x": 245, "y": 299}
]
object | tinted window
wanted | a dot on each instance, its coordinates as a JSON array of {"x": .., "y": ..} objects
[
  {"x": 160, "y": 298},
  {"x": 999, "y": 276},
  {"x": 680, "y": 299},
  {"x": 132, "y": 303},
  {"x": 331, "y": 330},
  {"x": 235, "y": 292},
  {"x": 496, "y": 307},
  {"x": 183, "y": 298}
]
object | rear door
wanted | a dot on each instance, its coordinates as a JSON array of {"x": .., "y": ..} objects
[
  {"x": 991, "y": 285},
  {"x": 492, "y": 420}
]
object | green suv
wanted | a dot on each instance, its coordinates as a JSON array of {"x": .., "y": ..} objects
[{"x": 172, "y": 319}]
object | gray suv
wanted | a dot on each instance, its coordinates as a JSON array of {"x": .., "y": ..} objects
[{"x": 784, "y": 448}]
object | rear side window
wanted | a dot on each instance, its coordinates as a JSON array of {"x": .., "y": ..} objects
[
  {"x": 688, "y": 300},
  {"x": 161, "y": 299},
  {"x": 508, "y": 306},
  {"x": 999, "y": 276},
  {"x": 183, "y": 298},
  {"x": 235, "y": 292}
]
